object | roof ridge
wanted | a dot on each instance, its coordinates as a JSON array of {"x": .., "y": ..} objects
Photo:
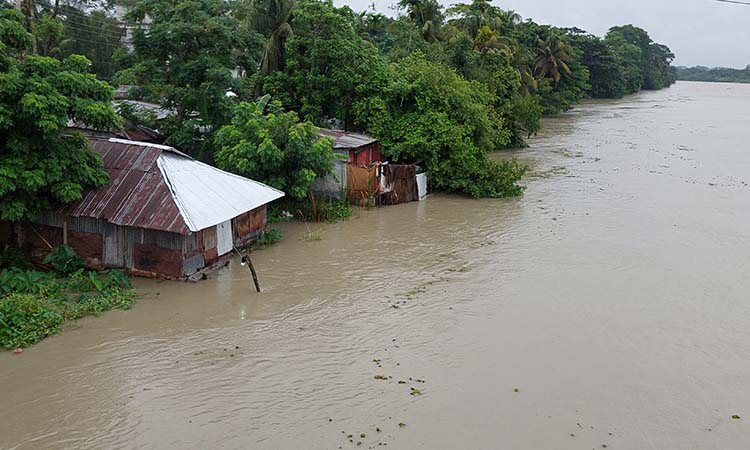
[{"x": 149, "y": 144}]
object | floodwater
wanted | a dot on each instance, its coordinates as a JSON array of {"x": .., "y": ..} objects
[{"x": 609, "y": 306}]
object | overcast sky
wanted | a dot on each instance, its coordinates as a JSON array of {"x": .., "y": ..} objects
[{"x": 699, "y": 32}]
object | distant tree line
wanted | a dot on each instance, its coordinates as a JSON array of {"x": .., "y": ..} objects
[
  {"x": 439, "y": 87},
  {"x": 716, "y": 74}
]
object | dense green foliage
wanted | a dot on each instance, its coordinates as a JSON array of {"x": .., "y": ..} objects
[
  {"x": 716, "y": 74},
  {"x": 183, "y": 56},
  {"x": 269, "y": 237},
  {"x": 432, "y": 116},
  {"x": 34, "y": 305},
  {"x": 40, "y": 163},
  {"x": 646, "y": 64},
  {"x": 274, "y": 147}
]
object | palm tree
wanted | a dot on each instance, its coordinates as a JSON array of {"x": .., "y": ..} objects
[
  {"x": 489, "y": 40},
  {"x": 271, "y": 19},
  {"x": 520, "y": 62},
  {"x": 426, "y": 14},
  {"x": 552, "y": 57},
  {"x": 511, "y": 18},
  {"x": 473, "y": 16}
]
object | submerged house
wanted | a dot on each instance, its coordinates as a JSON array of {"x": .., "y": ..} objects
[
  {"x": 163, "y": 214},
  {"x": 361, "y": 150},
  {"x": 363, "y": 178},
  {"x": 356, "y": 150}
]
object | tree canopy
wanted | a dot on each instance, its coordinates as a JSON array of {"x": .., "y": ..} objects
[
  {"x": 42, "y": 163},
  {"x": 716, "y": 74},
  {"x": 274, "y": 147}
]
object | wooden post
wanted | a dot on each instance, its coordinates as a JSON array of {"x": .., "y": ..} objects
[
  {"x": 246, "y": 259},
  {"x": 65, "y": 232},
  {"x": 255, "y": 275}
]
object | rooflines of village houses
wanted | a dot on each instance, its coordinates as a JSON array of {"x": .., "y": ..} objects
[{"x": 158, "y": 187}]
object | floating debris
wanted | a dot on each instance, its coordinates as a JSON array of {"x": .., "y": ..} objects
[
  {"x": 401, "y": 424},
  {"x": 735, "y": 417}
]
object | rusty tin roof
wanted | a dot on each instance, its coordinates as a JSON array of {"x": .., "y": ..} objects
[{"x": 347, "y": 140}]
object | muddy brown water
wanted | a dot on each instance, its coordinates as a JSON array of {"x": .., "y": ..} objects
[{"x": 613, "y": 297}]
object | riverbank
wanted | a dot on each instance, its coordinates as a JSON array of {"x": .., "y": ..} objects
[{"x": 610, "y": 295}]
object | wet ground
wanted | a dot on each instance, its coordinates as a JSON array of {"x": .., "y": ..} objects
[{"x": 609, "y": 306}]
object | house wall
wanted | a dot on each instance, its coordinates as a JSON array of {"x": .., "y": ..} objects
[
  {"x": 332, "y": 187},
  {"x": 199, "y": 249},
  {"x": 365, "y": 156},
  {"x": 104, "y": 245},
  {"x": 139, "y": 251}
]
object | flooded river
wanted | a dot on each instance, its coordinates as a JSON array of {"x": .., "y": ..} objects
[{"x": 609, "y": 306}]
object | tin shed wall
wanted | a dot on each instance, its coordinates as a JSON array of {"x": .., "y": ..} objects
[
  {"x": 248, "y": 226},
  {"x": 102, "y": 244},
  {"x": 333, "y": 186},
  {"x": 366, "y": 155}
]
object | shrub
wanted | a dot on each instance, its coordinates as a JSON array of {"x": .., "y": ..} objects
[
  {"x": 14, "y": 257},
  {"x": 26, "y": 319},
  {"x": 64, "y": 260},
  {"x": 34, "y": 304},
  {"x": 268, "y": 237},
  {"x": 330, "y": 211}
]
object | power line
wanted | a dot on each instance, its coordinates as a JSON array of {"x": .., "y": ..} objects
[
  {"x": 736, "y": 2},
  {"x": 96, "y": 33}
]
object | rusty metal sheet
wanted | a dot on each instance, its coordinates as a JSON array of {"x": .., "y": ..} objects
[
  {"x": 136, "y": 194},
  {"x": 345, "y": 139}
]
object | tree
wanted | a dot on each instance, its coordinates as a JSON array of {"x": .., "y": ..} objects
[
  {"x": 274, "y": 148},
  {"x": 426, "y": 14},
  {"x": 330, "y": 66},
  {"x": 271, "y": 18},
  {"x": 431, "y": 116},
  {"x": 605, "y": 73},
  {"x": 93, "y": 34},
  {"x": 42, "y": 163},
  {"x": 471, "y": 17},
  {"x": 647, "y": 65},
  {"x": 553, "y": 55},
  {"x": 183, "y": 57}
]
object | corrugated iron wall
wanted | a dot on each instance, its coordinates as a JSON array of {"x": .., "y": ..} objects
[
  {"x": 138, "y": 250},
  {"x": 103, "y": 244}
]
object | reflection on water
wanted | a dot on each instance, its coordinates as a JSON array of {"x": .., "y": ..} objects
[{"x": 612, "y": 297}]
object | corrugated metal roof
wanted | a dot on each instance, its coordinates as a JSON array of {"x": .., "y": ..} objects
[
  {"x": 157, "y": 187},
  {"x": 344, "y": 139},
  {"x": 207, "y": 196}
]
